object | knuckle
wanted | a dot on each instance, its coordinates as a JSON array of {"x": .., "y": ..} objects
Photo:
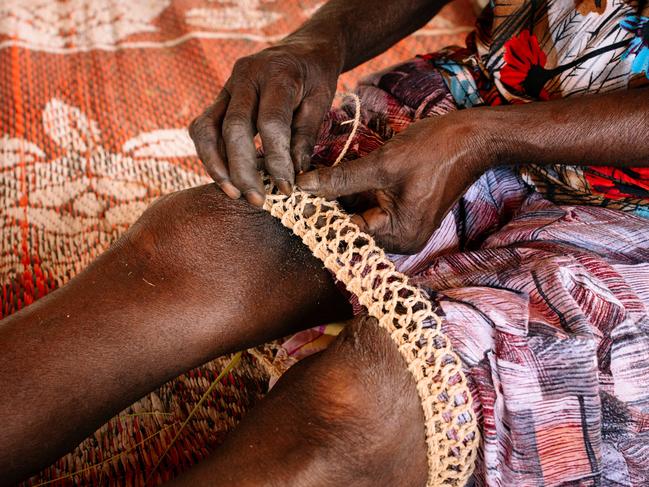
[
  {"x": 196, "y": 127},
  {"x": 279, "y": 166},
  {"x": 344, "y": 176},
  {"x": 283, "y": 62},
  {"x": 337, "y": 178},
  {"x": 242, "y": 65},
  {"x": 234, "y": 124},
  {"x": 285, "y": 84},
  {"x": 231, "y": 132},
  {"x": 274, "y": 124}
]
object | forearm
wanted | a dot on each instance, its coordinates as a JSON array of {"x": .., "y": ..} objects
[
  {"x": 145, "y": 312},
  {"x": 360, "y": 30},
  {"x": 593, "y": 130}
]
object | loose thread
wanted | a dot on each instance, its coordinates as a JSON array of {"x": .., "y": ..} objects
[
  {"x": 356, "y": 121},
  {"x": 231, "y": 365},
  {"x": 452, "y": 434},
  {"x": 108, "y": 460}
]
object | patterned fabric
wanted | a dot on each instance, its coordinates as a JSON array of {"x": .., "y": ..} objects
[
  {"x": 550, "y": 315},
  {"x": 96, "y": 97},
  {"x": 526, "y": 50},
  {"x": 547, "y": 305},
  {"x": 540, "y": 50}
]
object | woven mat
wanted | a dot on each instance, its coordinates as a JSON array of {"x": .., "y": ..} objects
[{"x": 96, "y": 97}]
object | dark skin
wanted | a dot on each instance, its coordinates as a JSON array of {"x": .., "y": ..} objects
[
  {"x": 83, "y": 353},
  {"x": 108, "y": 337},
  {"x": 124, "y": 337},
  {"x": 283, "y": 92},
  {"x": 336, "y": 418},
  {"x": 416, "y": 176},
  {"x": 419, "y": 174}
]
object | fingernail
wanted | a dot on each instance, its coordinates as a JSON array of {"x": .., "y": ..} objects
[
  {"x": 360, "y": 222},
  {"x": 254, "y": 198},
  {"x": 308, "y": 181},
  {"x": 230, "y": 190},
  {"x": 305, "y": 162},
  {"x": 284, "y": 186}
]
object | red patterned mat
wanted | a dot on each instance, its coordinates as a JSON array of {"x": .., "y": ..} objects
[{"x": 96, "y": 95}]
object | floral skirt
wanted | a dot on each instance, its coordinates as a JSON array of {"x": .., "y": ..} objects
[{"x": 546, "y": 304}]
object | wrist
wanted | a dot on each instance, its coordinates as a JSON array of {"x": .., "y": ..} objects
[
  {"x": 477, "y": 143},
  {"x": 492, "y": 133}
]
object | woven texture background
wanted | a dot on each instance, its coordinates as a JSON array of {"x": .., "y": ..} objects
[{"x": 96, "y": 97}]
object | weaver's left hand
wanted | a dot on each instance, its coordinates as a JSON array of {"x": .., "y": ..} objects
[{"x": 415, "y": 179}]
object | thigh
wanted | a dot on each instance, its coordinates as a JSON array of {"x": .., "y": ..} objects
[
  {"x": 349, "y": 415},
  {"x": 197, "y": 276}
]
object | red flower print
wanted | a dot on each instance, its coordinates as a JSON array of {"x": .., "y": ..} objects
[
  {"x": 524, "y": 69},
  {"x": 616, "y": 184}
]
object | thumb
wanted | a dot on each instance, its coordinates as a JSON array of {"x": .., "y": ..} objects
[
  {"x": 345, "y": 179},
  {"x": 374, "y": 221},
  {"x": 393, "y": 235}
]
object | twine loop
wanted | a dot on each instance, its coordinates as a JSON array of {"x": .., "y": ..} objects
[{"x": 401, "y": 309}]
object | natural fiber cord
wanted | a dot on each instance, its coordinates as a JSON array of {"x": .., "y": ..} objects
[
  {"x": 405, "y": 313},
  {"x": 402, "y": 310}
]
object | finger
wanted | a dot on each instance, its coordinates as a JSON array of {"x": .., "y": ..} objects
[
  {"x": 391, "y": 229},
  {"x": 359, "y": 202},
  {"x": 274, "y": 124},
  {"x": 205, "y": 131},
  {"x": 377, "y": 223},
  {"x": 374, "y": 221},
  {"x": 238, "y": 134},
  {"x": 306, "y": 124},
  {"x": 348, "y": 178}
]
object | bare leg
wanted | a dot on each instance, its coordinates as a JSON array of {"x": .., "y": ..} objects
[
  {"x": 347, "y": 416},
  {"x": 197, "y": 276}
]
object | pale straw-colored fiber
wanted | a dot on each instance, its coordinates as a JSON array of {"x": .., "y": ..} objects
[{"x": 404, "y": 312}]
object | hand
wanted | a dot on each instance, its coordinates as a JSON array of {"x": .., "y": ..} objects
[
  {"x": 414, "y": 179},
  {"x": 282, "y": 93}
]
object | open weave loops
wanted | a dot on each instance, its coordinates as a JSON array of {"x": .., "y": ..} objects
[{"x": 406, "y": 314}]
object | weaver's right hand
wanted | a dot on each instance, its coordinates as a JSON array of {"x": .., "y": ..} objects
[{"x": 282, "y": 93}]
